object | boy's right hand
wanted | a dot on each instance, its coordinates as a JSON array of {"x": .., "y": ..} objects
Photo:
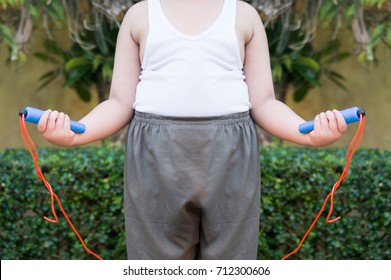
[{"x": 55, "y": 127}]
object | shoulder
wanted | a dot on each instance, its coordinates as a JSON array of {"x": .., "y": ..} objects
[
  {"x": 244, "y": 6},
  {"x": 248, "y": 19},
  {"x": 139, "y": 7},
  {"x": 245, "y": 11},
  {"x": 136, "y": 12},
  {"x": 135, "y": 20}
]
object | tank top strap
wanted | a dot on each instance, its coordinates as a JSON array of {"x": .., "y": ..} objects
[
  {"x": 153, "y": 14},
  {"x": 231, "y": 29},
  {"x": 154, "y": 25},
  {"x": 231, "y": 11}
]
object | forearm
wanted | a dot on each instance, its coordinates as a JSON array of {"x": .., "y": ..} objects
[
  {"x": 103, "y": 121},
  {"x": 279, "y": 120}
]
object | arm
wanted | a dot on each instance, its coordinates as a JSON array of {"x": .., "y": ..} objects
[
  {"x": 111, "y": 115},
  {"x": 271, "y": 114}
]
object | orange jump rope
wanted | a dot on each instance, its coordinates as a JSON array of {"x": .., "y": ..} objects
[
  {"x": 355, "y": 114},
  {"x": 330, "y": 197},
  {"x": 53, "y": 197}
]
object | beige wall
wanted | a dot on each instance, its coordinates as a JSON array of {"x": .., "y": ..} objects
[{"x": 370, "y": 90}]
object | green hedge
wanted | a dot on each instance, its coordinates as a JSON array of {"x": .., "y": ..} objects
[{"x": 295, "y": 182}]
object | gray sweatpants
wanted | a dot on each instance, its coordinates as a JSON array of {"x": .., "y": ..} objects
[{"x": 192, "y": 187}]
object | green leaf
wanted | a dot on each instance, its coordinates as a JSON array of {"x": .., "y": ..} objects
[
  {"x": 46, "y": 79},
  {"x": 327, "y": 11},
  {"x": 54, "y": 48},
  {"x": 76, "y": 62},
  {"x": 308, "y": 75},
  {"x": 331, "y": 47},
  {"x": 277, "y": 72},
  {"x": 362, "y": 57},
  {"x": 57, "y": 13},
  {"x": 350, "y": 11},
  {"x": 76, "y": 75},
  {"x": 96, "y": 62},
  {"x": 7, "y": 35},
  {"x": 337, "y": 75},
  {"x": 287, "y": 61},
  {"x": 301, "y": 93},
  {"x": 308, "y": 62},
  {"x": 337, "y": 79},
  {"x": 338, "y": 58},
  {"x": 106, "y": 72},
  {"x": 45, "y": 57},
  {"x": 34, "y": 11},
  {"x": 83, "y": 93},
  {"x": 376, "y": 36}
]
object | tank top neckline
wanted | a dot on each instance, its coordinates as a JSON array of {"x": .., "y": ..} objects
[{"x": 197, "y": 36}]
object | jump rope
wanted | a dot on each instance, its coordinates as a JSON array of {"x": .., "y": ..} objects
[{"x": 33, "y": 115}]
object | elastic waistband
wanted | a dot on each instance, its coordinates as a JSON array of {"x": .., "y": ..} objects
[{"x": 224, "y": 119}]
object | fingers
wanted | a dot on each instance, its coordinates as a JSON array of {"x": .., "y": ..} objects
[
  {"x": 53, "y": 121},
  {"x": 60, "y": 124},
  {"x": 321, "y": 122},
  {"x": 328, "y": 128},
  {"x": 330, "y": 120},
  {"x": 67, "y": 122},
  {"x": 55, "y": 127},
  {"x": 341, "y": 123},
  {"x": 42, "y": 124}
]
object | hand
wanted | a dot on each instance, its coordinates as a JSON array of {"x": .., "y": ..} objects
[
  {"x": 55, "y": 127},
  {"x": 328, "y": 128}
]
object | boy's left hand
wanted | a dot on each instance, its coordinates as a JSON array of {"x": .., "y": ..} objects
[{"x": 328, "y": 128}]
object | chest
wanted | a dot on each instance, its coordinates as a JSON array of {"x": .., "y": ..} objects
[{"x": 191, "y": 18}]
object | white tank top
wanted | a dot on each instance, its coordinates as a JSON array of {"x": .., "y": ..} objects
[{"x": 192, "y": 75}]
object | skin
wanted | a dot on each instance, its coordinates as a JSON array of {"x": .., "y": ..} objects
[{"x": 192, "y": 17}]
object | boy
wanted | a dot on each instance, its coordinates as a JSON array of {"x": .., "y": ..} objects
[{"x": 191, "y": 76}]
